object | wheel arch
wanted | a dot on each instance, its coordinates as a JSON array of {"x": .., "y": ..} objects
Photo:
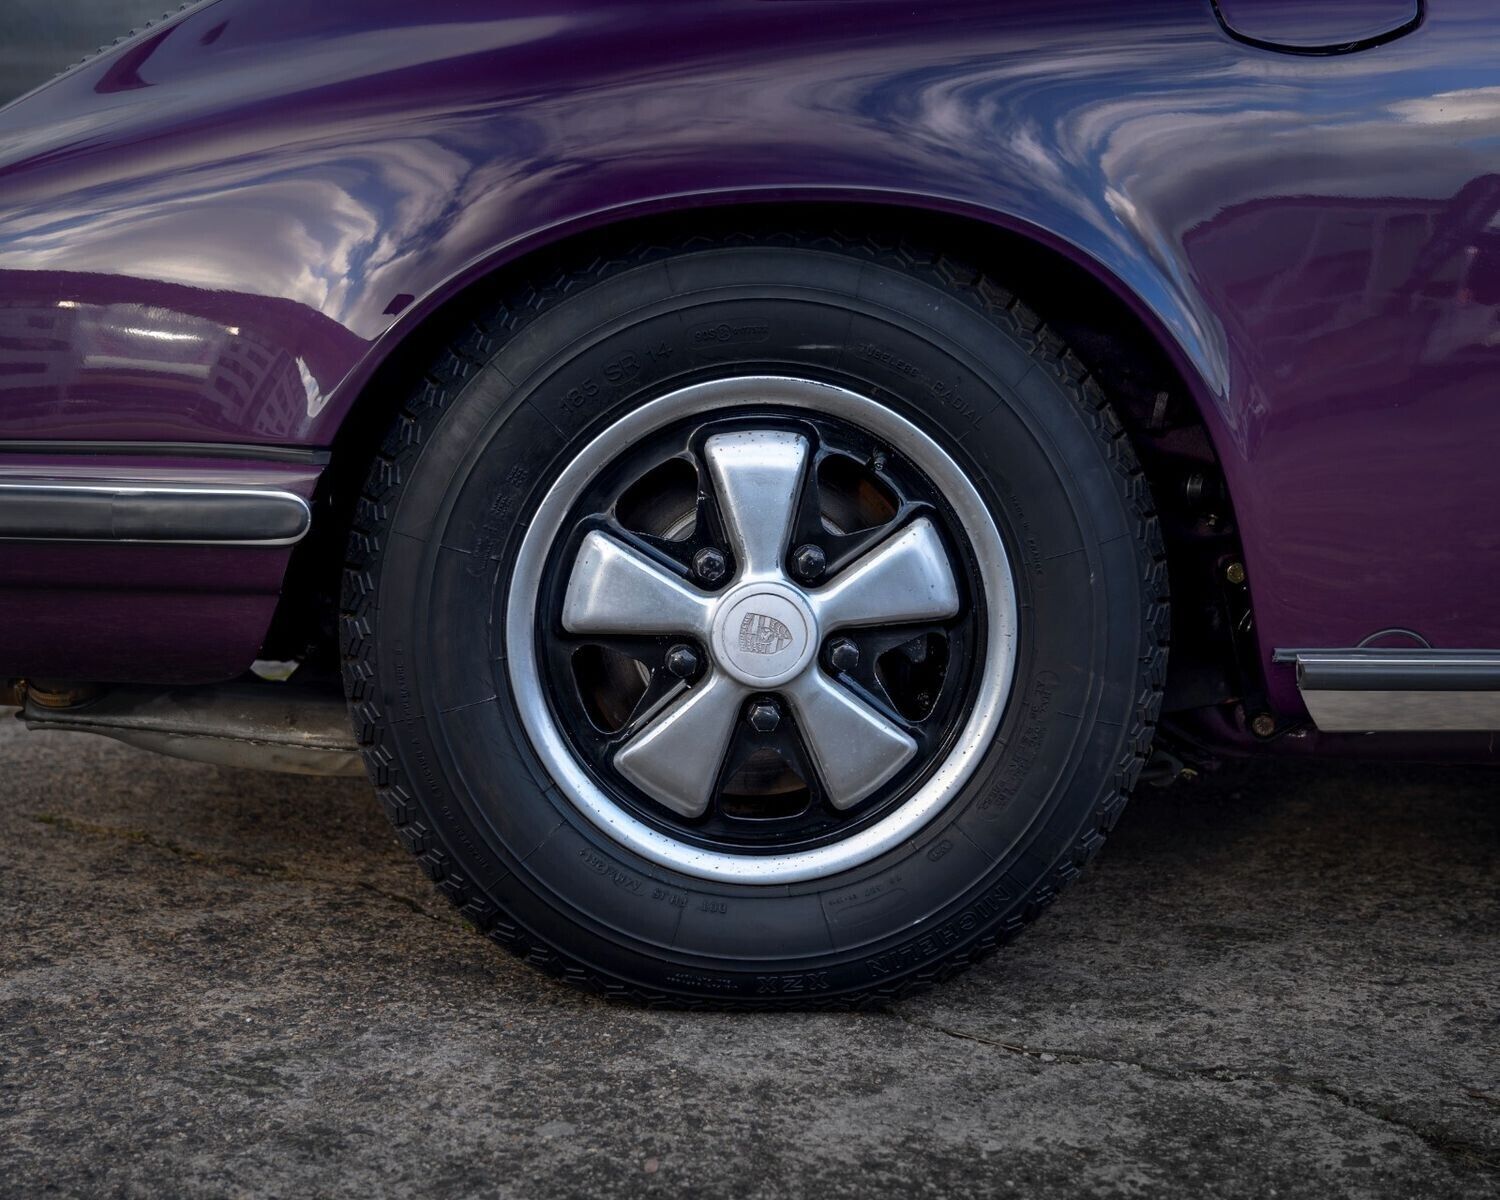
[
  {"x": 1160, "y": 372},
  {"x": 1157, "y": 311}
]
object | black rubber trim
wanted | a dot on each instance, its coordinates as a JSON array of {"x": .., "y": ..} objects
[
  {"x": 303, "y": 455},
  {"x": 1350, "y": 47},
  {"x": 102, "y": 512},
  {"x": 1401, "y": 670}
]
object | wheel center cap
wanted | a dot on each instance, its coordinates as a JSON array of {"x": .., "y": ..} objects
[{"x": 764, "y": 634}]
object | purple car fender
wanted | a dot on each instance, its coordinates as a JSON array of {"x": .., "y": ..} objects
[{"x": 212, "y": 237}]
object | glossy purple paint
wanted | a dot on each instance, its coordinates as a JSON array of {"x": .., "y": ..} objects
[{"x": 287, "y": 190}]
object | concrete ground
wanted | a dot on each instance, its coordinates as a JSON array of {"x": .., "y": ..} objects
[{"x": 1281, "y": 982}]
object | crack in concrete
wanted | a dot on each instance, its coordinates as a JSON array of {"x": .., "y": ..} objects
[
  {"x": 394, "y": 898},
  {"x": 209, "y": 859},
  {"x": 1460, "y": 1151},
  {"x": 1486, "y": 1098}
]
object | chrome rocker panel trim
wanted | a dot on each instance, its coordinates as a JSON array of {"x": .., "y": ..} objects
[
  {"x": 161, "y": 514},
  {"x": 1399, "y": 691}
]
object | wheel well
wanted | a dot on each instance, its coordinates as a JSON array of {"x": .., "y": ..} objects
[{"x": 1213, "y": 660}]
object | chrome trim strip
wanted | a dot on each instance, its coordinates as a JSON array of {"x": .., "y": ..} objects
[
  {"x": 154, "y": 514},
  {"x": 1399, "y": 691},
  {"x": 1404, "y": 712},
  {"x": 245, "y": 452}
]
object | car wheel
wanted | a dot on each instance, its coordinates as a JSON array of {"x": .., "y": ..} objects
[{"x": 755, "y": 620}]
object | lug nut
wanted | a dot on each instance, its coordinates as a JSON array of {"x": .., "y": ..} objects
[
  {"x": 809, "y": 561},
  {"x": 843, "y": 655},
  {"x": 710, "y": 564},
  {"x": 682, "y": 661},
  {"x": 765, "y": 715}
]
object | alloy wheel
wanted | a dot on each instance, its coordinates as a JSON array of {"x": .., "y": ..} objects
[{"x": 765, "y": 622}]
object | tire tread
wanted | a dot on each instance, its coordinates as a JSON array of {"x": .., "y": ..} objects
[{"x": 501, "y": 320}]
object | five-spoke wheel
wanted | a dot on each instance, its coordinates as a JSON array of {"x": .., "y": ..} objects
[
  {"x": 763, "y": 629},
  {"x": 761, "y": 632}
]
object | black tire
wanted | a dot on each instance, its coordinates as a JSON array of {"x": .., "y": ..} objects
[{"x": 508, "y": 405}]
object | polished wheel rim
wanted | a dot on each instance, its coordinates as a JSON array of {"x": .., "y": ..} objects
[{"x": 761, "y": 630}]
